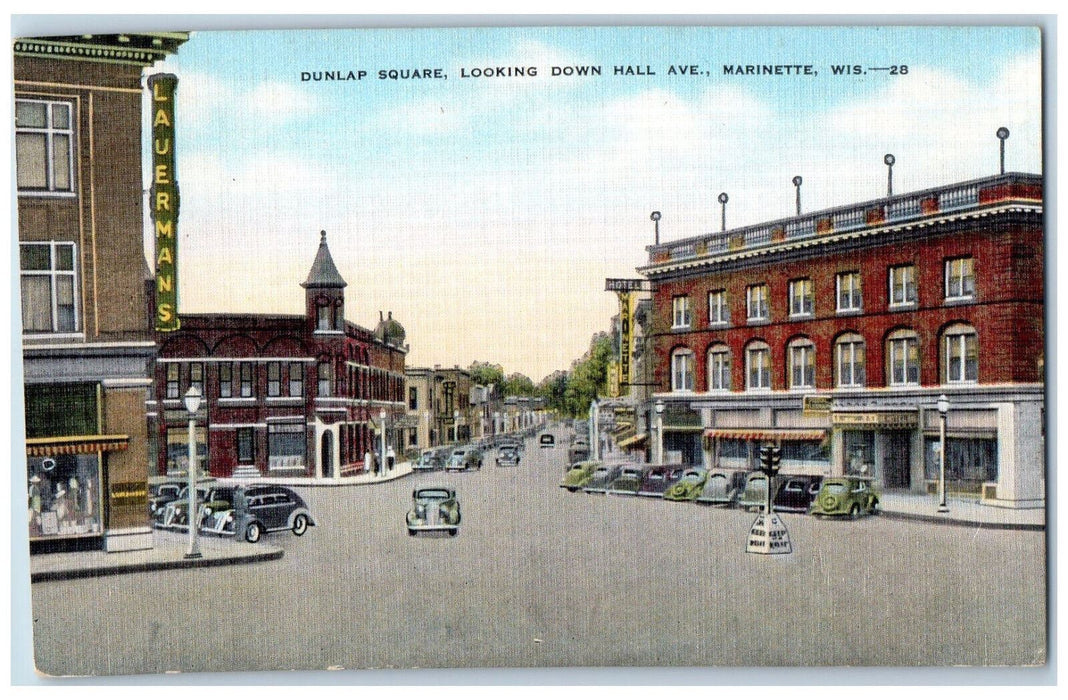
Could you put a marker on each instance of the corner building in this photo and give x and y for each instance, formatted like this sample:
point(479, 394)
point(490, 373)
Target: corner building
point(834, 334)
point(87, 338)
point(285, 395)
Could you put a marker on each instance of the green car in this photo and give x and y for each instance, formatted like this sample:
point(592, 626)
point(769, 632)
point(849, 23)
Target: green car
point(845, 495)
point(434, 509)
point(579, 475)
point(755, 492)
point(689, 487)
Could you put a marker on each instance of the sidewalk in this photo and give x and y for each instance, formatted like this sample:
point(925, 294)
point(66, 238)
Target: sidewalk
point(965, 512)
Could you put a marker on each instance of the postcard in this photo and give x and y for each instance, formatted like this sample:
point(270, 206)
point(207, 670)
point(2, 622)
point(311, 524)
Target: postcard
point(532, 347)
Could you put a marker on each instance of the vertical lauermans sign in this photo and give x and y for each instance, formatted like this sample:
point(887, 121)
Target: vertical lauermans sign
point(164, 200)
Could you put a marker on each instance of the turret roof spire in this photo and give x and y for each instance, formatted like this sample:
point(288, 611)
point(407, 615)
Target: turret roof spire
point(324, 274)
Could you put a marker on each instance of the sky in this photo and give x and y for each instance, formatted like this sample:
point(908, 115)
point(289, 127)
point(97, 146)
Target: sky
point(486, 212)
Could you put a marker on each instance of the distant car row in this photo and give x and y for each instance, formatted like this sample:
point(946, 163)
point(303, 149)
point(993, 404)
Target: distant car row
point(846, 495)
point(248, 511)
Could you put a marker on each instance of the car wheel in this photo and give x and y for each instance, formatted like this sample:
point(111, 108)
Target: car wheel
point(300, 525)
point(572, 489)
point(253, 532)
point(453, 532)
point(854, 512)
point(411, 533)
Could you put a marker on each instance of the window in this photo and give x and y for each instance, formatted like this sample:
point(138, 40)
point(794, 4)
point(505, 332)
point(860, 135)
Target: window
point(274, 379)
point(849, 361)
point(960, 279)
point(326, 378)
point(802, 364)
point(226, 380)
point(756, 302)
point(758, 366)
point(44, 152)
point(48, 283)
point(961, 352)
point(718, 313)
point(903, 285)
point(246, 378)
point(801, 297)
point(286, 443)
point(719, 368)
point(682, 370)
point(296, 379)
point(680, 312)
point(413, 398)
point(324, 318)
point(903, 358)
point(196, 377)
point(245, 445)
point(172, 381)
point(847, 292)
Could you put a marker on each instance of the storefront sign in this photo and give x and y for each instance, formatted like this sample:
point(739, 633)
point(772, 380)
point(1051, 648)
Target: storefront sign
point(626, 320)
point(128, 493)
point(623, 285)
point(815, 405)
point(885, 421)
point(164, 200)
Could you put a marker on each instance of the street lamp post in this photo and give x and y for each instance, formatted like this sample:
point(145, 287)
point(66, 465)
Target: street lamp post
point(192, 403)
point(943, 409)
point(659, 406)
point(382, 461)
point(429, 437)
point(456, 426)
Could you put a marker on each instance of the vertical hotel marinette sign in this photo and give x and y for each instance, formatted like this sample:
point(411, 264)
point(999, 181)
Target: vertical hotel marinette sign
point(623, 289)
point(164, 199)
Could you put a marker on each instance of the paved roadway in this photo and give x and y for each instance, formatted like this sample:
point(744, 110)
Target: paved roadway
point(542, 577)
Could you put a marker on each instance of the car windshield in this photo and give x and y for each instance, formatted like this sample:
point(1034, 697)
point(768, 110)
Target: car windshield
point(432, 494)
point(835, 488)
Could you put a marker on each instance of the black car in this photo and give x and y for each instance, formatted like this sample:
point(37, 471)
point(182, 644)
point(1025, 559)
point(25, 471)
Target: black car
point(507, 457)
point(797, 493)
point(257, 509)
point(162, 494)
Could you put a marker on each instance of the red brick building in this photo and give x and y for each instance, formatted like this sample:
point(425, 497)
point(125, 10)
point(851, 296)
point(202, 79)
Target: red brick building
point(286, 396)
point(834, 333)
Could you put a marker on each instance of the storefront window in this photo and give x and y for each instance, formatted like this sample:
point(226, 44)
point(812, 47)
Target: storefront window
point(859, 449)
point(178, 449)
point(969, 462)
point(286, 445)
point(806, 453)
point(64, 496)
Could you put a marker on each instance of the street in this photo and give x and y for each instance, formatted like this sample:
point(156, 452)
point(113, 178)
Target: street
point(541, 577)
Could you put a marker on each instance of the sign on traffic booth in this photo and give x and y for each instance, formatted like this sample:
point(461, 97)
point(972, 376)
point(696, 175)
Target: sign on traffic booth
point(768, 535)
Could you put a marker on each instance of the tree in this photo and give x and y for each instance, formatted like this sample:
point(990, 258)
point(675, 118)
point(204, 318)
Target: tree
point(486, 373)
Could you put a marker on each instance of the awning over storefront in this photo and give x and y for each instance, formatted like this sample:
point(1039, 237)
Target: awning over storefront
point(632, 441)
point(76, 444)
point(769, 435)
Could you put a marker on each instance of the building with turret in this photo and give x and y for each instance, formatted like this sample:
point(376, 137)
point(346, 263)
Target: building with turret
point(287, 396)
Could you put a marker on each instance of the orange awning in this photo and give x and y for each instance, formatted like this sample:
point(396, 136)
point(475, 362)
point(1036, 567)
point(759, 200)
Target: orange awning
point(765, 434)
point(76, 444)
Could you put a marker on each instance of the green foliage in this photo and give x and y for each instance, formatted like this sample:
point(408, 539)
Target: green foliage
point(570, 393)
point(486, 373)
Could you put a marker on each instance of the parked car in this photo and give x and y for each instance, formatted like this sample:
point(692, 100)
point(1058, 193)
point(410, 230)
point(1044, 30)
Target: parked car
point(796, 493)
point(434, 509)
point(513, 443)
point(162, 494)
point(845, 495)
point(578, 452)
point(755, 492)
point(174, 516)
point(657, 480)
point(547, 440)
point(258, 509)
point(602, 477)
point(579, 475)
point(508, 457)
point(628, 482)
point(464, 458)
point(723, 487)
point(689, 485)
point(430, 460)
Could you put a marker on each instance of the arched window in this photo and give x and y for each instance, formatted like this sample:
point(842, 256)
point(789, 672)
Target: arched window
point(849, 361)
point(903, 358)
point(757, 366)
point(719, 368)
point(960, 352)
point(802, 358)
point(682, 370)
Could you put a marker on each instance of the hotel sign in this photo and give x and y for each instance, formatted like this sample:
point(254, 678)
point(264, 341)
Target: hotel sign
point(626, 337)
point(163, 203)
point(883, 421)
point(623, 285)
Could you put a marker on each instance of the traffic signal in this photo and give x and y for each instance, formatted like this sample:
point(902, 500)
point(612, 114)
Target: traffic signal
point(770, 455)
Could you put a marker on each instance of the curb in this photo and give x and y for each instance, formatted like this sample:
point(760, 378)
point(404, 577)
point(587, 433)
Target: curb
point(897, 515)
point(140, 567)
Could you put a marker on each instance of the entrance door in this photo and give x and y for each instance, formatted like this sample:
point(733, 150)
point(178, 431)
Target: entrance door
point(896, 466)
point(327, 461)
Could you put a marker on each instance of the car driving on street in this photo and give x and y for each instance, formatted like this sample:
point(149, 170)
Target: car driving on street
point(434, 509)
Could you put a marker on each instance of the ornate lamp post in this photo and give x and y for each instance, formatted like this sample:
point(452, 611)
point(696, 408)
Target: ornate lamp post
point(723, 198)
point(889, 160)
point(655, 218)
point(1002, 134)
point(192, 404)
point(659, 407)
point(943, 409)
point(382, 461)
point(797, 186)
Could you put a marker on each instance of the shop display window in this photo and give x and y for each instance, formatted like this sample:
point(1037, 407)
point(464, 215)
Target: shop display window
point(64, 498)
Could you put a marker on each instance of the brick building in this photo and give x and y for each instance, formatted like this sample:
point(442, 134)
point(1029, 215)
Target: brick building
point(286, 395)
point(87, 338)
point(834, 333)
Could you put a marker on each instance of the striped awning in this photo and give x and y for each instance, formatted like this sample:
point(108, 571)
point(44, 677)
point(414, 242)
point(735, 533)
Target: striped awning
point(764, 434)
point(75, 444)
point(631, 441)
